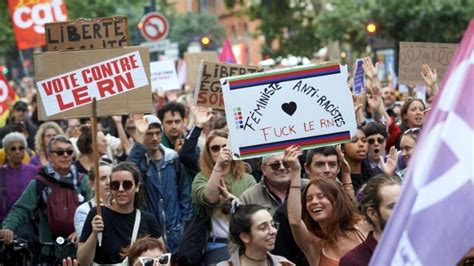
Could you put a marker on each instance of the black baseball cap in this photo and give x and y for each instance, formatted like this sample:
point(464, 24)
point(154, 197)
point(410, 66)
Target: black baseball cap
point(20, 106)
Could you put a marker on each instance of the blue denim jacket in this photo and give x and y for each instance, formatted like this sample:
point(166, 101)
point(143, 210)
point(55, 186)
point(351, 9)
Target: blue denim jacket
point(167, 197)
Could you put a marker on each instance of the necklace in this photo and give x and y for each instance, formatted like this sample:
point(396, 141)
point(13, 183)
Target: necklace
point(252, 259)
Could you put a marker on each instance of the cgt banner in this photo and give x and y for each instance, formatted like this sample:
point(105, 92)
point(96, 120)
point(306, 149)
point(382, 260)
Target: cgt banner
point(29, 17)
point(308, 106)
point(117, 78)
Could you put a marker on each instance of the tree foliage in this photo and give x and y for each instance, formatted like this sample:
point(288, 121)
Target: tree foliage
point(189, 27)
point(303, 26)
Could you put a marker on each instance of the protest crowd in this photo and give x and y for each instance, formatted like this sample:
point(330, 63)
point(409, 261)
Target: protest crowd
point(172, 191)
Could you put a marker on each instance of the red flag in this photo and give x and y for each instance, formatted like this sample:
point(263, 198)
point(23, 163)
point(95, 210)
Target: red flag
point(28, 19)
point(227, 56)
point(6, 93)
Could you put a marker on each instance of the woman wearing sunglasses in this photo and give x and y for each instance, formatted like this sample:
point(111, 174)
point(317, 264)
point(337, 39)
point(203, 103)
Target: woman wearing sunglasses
point(253, 229)
point(219, 175)
point(121, 222)
point(323, 218)
point(147, 251)
point(14, 174)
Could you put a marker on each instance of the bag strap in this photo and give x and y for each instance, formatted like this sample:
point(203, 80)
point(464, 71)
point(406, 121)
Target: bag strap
point(136, 226)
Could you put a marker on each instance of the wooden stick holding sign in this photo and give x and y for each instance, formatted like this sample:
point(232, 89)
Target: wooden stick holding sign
point(95, 157)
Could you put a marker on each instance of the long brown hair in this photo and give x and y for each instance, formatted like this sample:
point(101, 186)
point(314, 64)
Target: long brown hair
point(343, 217)
point(237, 168)
point(403, 111)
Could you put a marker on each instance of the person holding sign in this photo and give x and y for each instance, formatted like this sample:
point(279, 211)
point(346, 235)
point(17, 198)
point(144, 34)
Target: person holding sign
point(219, 176)
point(121, 222)
point(323, 219)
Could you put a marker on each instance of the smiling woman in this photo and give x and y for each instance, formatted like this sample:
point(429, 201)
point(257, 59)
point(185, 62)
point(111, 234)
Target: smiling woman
point(254, 230)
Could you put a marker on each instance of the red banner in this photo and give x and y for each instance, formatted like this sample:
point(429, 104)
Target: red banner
point(6, 93)
point(29, 16)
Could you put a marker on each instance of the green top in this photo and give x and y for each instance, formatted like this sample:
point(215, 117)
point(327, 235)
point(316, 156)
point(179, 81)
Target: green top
point(235, 186)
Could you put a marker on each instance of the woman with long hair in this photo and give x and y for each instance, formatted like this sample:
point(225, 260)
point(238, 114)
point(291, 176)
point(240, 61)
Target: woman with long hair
point(253, 229)
point(407, 146)
point(45, 133)
point(323, 218)
point(121, 221)
point(219, 175)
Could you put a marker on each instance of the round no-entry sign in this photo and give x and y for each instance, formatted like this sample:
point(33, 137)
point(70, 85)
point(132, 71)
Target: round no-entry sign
point(154, 27)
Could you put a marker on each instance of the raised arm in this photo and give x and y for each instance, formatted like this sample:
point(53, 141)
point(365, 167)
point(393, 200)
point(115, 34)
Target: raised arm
point(221, 167)
point(299, 230)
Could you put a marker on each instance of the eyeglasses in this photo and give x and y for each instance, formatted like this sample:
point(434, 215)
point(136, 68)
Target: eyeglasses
point(379, 140)
point(217, 148)
point(62, 152)
point(161, 260)
point(126, 185)
point(19, 148)
point(266, 226)
point(276, 166)
point(413, 130)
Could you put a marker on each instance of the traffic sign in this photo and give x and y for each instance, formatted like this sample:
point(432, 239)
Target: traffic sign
point(154, 27)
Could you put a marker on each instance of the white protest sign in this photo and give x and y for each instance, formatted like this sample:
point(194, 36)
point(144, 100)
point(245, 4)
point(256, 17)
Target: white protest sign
point(163, 76)
point(308, 106)
point(101, 80)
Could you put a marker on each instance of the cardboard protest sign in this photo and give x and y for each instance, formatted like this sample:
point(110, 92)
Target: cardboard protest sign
point(309, 106)
point(87, 34)
point(28, 19)
point(192, 64)
point(117, 78)
point(414, 54)
point(163, 76)
point(358, 80)
point(208, 90)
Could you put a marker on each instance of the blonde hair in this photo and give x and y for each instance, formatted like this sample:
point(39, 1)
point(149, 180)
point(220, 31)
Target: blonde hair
point(39, 144)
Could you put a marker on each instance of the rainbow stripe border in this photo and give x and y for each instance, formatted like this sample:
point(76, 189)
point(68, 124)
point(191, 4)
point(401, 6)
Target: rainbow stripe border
point(291, 74)
point(306, 143)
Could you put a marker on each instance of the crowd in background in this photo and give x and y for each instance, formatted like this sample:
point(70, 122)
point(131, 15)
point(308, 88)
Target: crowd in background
point(170, 191)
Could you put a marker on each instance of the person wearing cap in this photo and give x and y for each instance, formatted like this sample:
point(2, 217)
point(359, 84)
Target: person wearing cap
point(167, 189)
point(19, 114)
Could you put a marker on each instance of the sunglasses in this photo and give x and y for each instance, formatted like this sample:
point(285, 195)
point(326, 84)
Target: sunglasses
point(20, 148)
point(372, 141)
point(413, 130)
point(161, 260)
point(126, 185)
point(62, 152)
point(217, 148)
point(276, 166)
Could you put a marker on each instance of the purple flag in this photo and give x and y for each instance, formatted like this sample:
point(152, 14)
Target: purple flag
point(433, 222)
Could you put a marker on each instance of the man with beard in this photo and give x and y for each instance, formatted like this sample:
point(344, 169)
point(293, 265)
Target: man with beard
point(379, 196)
